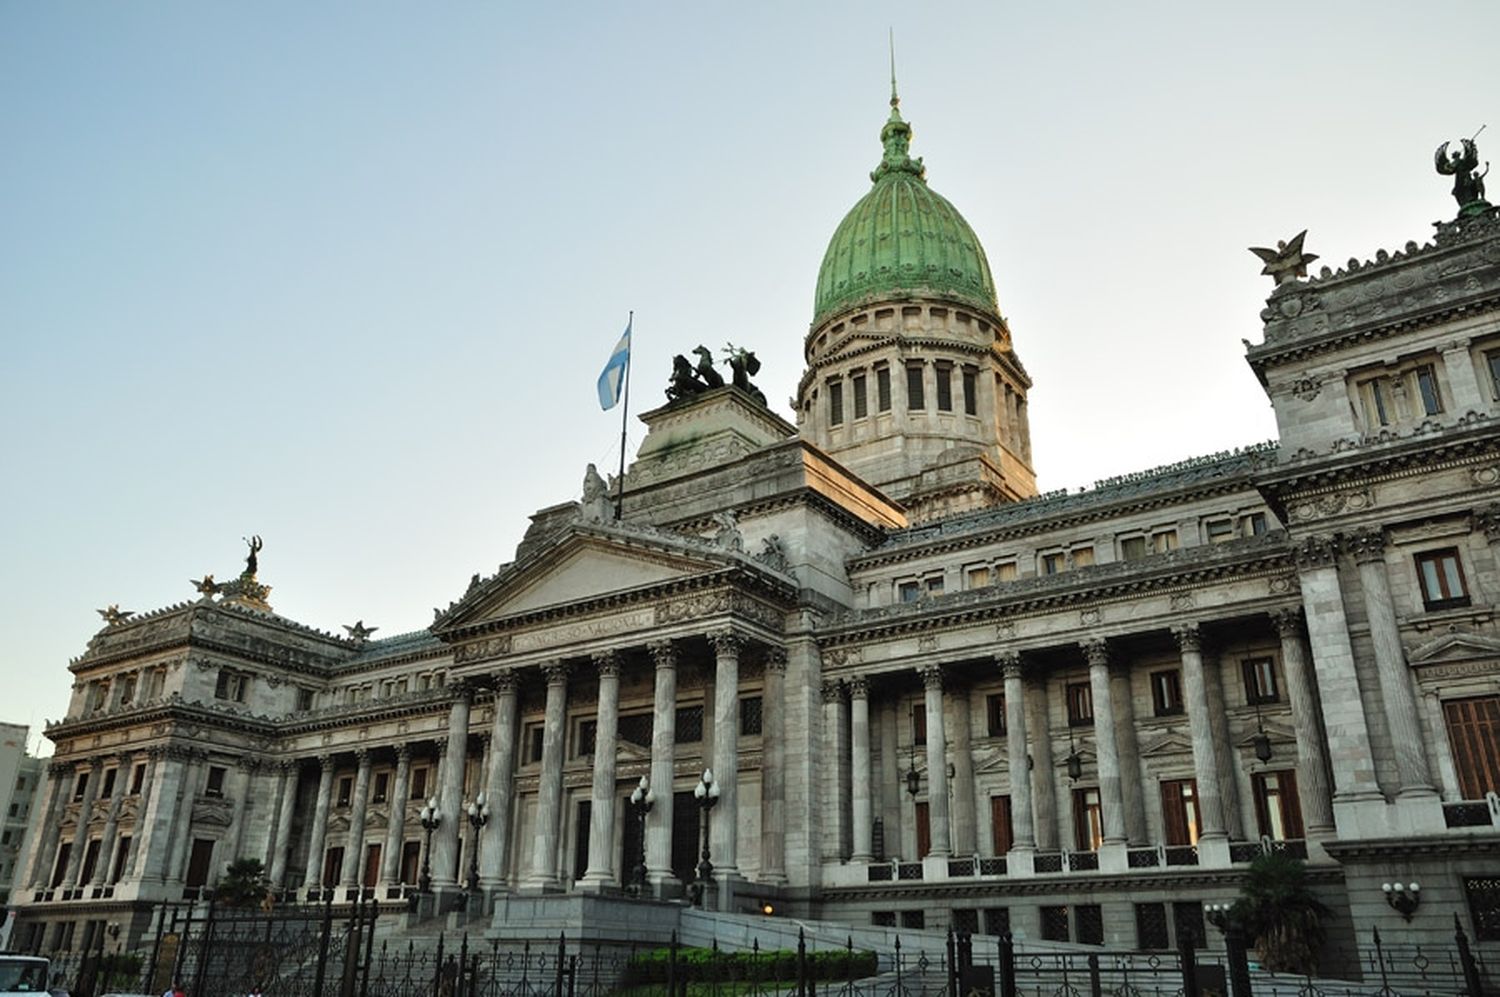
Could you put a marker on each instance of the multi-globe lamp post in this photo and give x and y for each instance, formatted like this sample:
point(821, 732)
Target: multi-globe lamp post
point(642, 799)
point(707, 794)
point(479, 815)
point(430, 818)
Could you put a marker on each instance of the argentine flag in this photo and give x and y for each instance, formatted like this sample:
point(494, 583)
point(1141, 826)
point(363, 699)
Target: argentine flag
point(613, 377)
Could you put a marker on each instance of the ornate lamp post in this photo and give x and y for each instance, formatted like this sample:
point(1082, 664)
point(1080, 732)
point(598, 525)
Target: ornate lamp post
point(641, 802)
point(1236, 948)
point(430, 818)
point(707, 794)
point(479, 815)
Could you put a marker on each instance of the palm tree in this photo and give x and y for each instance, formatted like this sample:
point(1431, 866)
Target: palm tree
point(244, 884)
point(1282, 914)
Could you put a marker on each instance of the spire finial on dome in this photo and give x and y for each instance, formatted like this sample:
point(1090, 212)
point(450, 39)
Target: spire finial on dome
point(896, 135)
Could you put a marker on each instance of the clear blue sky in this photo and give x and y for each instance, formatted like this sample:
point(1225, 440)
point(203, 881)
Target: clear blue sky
point(343, 274)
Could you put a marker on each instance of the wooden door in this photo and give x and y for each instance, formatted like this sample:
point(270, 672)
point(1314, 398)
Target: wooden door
point(200, 861)
point(1179, 811)
point(924, 831)
point(1002, 834)
point(372, 865)
point(333, 866)
point(684, 836)
point(1474, 732)
point(411, 860)
point(581, 838)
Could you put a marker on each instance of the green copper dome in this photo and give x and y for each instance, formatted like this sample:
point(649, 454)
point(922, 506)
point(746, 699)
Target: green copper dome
point(902, 238)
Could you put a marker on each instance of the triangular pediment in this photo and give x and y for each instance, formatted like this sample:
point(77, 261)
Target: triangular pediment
point(1454, 646)
point(584, 564)
point(1171, 743)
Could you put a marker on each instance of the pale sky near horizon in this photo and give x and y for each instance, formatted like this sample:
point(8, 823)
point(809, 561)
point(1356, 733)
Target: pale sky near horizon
point(343, 274)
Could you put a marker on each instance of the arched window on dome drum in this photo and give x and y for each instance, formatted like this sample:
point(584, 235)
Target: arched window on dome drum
point(883, 389)
point(944, 386)
point(971, 391)
point(861, 402)
point(916, 400)
point(835, 403)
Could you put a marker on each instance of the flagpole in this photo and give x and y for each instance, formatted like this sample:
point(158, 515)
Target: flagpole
point(624, 415)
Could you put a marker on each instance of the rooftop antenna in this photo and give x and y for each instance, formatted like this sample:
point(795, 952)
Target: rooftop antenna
point(895, 100)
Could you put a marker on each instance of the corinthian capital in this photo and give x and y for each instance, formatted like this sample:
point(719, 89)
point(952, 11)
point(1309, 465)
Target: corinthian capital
point(833, 691)
point(505, 683)
point(776, 660)
point(1096, 651)
point(859, 687)
point(726, 643)
point(1314, 552)
point(556, 672)
point(1367, 546)
point(1188, 637)
point(1288, 622)
point(932, 676)
point(663, 652)
point(608, 663)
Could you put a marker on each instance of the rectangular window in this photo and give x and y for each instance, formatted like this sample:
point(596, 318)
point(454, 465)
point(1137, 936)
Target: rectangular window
point(1007, 572)
point(636, 728)
point(1442, 578)
point(1001, 831)
point(1089, 921)
point(1474, 733)
point(1055, 924)
point(979, 577)
point(382, 787)
point(883, 388)
point(689, 724)
point(1427, 388)
point(964, 919)
point(835, 403)
point(583, 741)
point(411, 860)
point(418, 783)
point(916, 400)
point(1278, 812)
point(1260, 680)
point(1053, 564)
point(107, 789)
point(919, 724)
point(346, 790)
point(1088, 819)
point(1492, 362)
point(908, 592)
point(750, 716)
point(122, 852)
point(127, 690)
point(1166, 692)
point(200, 862)
point(861, 403)
point(971, 391)
point(883, 918)
point(137, 778)
point(996, 920)
point(944, 387)
point(934, 584)
point(1187, 918)
point(914, 919)
point(1181, 822)
point(1132, 548)
point(1377, 410)
point(1219, 530)
point(536, 741)
point(1254, 525)
point(994, 710)
point(1080, 697)
point(1082, 556)
point(1483, 894)
point(230, 686)
point(924, 829)
point(1163, 541)
point(80, 785)
point(215, 786)
point(1151, 927)
point(304, 700)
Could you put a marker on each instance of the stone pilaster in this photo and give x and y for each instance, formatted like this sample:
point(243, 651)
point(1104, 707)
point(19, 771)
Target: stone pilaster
point(601, 871)
point(494, 861)
point(549, 787)
point(249, 767)
point(1106, 745)
point(861, 783)
point(445, 853)
point(837, 804)
point(663, 767)
point(1205, 756)
point(112, 823)
point(312, 876)
point(1402, 718)
point(939, 828)
point(1023, 829)
point(182, 825)
point(281, 841)
point(772, 770)
point(48, 825)
point(150, 792)
point(726, 830)
point(354, 845)
point(1044, 770)
point(81, 833)
point(1350, 755)
point(1131, 791)
point(1312, 757)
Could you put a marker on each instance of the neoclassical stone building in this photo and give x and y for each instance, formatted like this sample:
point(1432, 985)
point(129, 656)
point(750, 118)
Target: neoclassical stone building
point(928, 694)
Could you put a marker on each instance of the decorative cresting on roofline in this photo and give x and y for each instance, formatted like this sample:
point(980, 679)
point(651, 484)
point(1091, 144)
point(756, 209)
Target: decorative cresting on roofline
point(1377, 460)
point(1250, 557)
point(1458, 273)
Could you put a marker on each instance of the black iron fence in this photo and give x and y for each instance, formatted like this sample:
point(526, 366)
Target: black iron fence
point(310, 951)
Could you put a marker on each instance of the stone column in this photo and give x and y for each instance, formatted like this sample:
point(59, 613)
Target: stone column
point(663, 766)
point(549, 787)
point(1022, 829)
point(1043, 771)
point(182, 823)
point(1468, 396)
point(836, 801)
point(772, 770)
point(601, 867)
point(250, 766)
point(1353, 763)
point(1131, 792)
point(48, 825)
point(81, 833)
point(161, 823)
point(451, 795)
point(1106, 746)
point(312, 876)
point(1205, 756)
point(494, 861)
point(890, 781)
point(1396, 690)
point(1312, 756)
point(965, 817)
point(1224, 754)
point(937, 763)
point(281, 841)
point(861, 783)
point(395, 827)
point(726, 819)
point(111, 823)
point(150, 792)
point(354, 844)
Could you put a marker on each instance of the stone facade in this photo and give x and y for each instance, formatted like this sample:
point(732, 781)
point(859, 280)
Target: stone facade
point(1076, 714)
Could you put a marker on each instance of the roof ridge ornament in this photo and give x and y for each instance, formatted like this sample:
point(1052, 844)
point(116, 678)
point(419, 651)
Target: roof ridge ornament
point(895, 136)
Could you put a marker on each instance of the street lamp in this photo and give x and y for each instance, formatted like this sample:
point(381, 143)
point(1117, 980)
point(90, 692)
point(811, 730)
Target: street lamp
point(707, 794)
point(641, 802)
point(430, 818)
point(1403, 897)
point(479, 815)
point(1236, 947)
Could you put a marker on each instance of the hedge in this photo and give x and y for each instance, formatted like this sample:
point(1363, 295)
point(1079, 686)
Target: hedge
point(697, 964)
